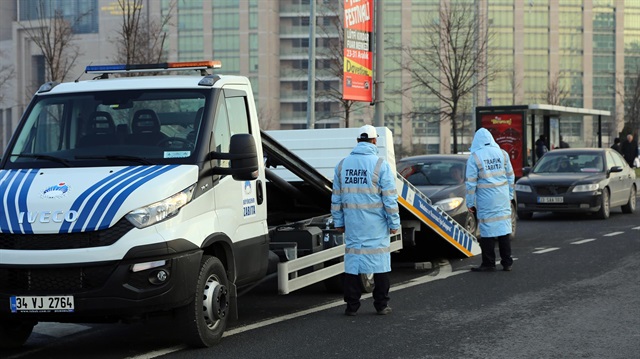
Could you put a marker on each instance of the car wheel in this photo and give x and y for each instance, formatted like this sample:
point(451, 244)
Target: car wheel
point(630, 207)
point(605, 205)
point(471, 225)
point(513, 222)
point(204, 320)
point(367, 283)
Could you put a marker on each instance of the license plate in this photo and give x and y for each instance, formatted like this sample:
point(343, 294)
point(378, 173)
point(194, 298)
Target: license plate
point(550, 199)
point(58, 303)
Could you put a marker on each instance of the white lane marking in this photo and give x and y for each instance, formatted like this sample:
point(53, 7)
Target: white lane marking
point(445, 272)
point(584, 241)
point(158, 353)
point(546, 250)
point(613, 234)
point(636, 228)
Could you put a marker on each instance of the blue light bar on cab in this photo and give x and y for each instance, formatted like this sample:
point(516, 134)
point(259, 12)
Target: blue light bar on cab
point(191, 65)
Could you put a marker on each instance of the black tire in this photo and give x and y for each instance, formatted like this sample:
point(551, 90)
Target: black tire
point(204, 320)
point(605, 207)
point(14, 333)
point(630, 207)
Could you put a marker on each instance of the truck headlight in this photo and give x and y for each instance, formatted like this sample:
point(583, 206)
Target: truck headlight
point(586, 187)
point(449, 204)
point(161, 210)
point(523, 188)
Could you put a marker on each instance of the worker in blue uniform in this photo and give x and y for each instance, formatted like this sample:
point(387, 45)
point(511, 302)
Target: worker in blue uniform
point(364, 206)
point(490, 190)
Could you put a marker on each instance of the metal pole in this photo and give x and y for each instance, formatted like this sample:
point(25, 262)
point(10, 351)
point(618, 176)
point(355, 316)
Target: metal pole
point(311, 83)
point(379, 95)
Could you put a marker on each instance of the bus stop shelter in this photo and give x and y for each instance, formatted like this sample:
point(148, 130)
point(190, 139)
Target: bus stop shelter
point(514, 127)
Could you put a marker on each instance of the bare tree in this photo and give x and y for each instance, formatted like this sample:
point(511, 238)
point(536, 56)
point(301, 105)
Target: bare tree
point(557, 92)
point(333, 54)
point(140, 39)
point(6, 73)
point(53, 34)
point(631, 101)
point(449, 59)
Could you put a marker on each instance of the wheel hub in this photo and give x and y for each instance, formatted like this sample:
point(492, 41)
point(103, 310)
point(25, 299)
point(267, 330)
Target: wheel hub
point(215, 301)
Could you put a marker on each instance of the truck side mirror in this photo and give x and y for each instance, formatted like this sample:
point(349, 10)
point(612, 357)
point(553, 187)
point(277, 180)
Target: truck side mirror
point(244, 159)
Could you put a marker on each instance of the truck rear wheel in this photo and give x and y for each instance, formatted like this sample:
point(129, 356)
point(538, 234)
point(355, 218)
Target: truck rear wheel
point(205, 319)
point(14, 333)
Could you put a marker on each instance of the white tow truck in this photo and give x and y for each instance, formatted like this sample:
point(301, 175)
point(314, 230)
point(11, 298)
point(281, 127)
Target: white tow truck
point(126, 198)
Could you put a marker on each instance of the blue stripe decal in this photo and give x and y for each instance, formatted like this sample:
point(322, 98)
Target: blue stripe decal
point(93, 201)
point(22, 200)
point(405, 190)
point(141, 179)
point(66, 226)
point(4, 184)
point(107, 193)
point(12, 209)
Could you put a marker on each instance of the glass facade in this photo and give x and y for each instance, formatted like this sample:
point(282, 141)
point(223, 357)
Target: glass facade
point(81, 14)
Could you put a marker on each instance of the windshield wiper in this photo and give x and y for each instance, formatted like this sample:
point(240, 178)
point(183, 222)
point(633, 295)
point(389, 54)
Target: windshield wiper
point(40, 156)
point(144, 161)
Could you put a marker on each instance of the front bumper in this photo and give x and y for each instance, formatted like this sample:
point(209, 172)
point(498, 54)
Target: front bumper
point(580, 202)
point(107, 291)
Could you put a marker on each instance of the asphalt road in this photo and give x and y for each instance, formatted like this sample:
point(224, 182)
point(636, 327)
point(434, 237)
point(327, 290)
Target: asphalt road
point(573, 293)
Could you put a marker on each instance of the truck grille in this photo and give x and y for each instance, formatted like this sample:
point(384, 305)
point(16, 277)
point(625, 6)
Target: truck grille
point(75, 240)
point(54, 280)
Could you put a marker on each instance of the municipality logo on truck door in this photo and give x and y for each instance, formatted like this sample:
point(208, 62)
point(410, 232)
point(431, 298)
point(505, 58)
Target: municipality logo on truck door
point(248, 200)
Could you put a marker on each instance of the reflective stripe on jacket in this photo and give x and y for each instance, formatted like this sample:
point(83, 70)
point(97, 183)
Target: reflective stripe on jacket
point(364, 201)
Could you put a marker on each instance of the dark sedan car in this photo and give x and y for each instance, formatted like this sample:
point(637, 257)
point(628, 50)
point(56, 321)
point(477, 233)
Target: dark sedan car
point(587, 180)
point(441, 178)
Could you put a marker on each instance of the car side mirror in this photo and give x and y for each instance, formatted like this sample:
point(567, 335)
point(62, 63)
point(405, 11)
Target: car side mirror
point(245, 165)
point(243, 157)
point(615, 169)
point(525, 171)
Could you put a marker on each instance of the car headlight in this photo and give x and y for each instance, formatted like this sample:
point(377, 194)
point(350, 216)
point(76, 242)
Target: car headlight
point(161, 210)
point(523, 188)
point(449, 204)
point(586, 187)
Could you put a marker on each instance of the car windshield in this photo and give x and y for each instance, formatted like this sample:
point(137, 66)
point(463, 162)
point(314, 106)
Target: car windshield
point(569, 163)
point(130, 126)
point(433, 172)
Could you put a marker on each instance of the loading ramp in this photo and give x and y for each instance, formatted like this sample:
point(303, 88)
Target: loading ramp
point(310, 156)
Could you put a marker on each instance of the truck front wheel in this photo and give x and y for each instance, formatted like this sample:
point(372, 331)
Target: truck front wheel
point(205, 319)
point(14, 333)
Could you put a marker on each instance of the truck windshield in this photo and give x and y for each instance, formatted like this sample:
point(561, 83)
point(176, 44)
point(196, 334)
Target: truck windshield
point(98, 129)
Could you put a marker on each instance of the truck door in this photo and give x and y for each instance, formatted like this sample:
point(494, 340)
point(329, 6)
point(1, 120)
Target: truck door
point(239, 204)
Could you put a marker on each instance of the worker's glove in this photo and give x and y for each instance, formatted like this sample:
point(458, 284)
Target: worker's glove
point(472, 210)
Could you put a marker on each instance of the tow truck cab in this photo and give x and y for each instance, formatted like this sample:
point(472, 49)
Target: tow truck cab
point(129, 197)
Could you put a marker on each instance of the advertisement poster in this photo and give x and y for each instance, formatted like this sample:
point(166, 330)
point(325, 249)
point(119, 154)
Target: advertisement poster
point(507, 129)
point(357, 84)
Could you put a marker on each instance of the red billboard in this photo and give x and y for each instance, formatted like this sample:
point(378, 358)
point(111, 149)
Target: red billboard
point(508, 131)
point(357, 79)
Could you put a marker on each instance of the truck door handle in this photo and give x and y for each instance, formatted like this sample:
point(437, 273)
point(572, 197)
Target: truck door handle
point(259, 192)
